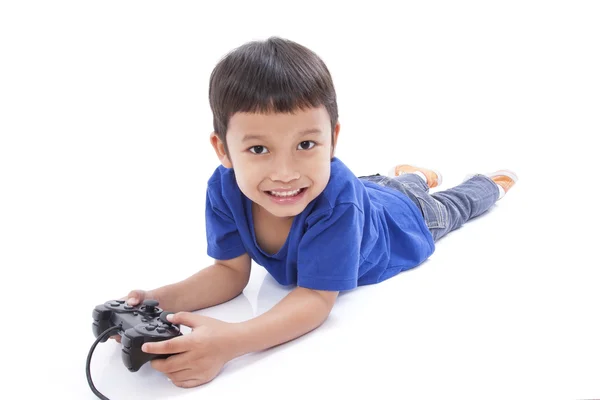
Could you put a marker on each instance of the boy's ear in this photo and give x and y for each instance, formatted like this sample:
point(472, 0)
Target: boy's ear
point(336, 132)
point(219, 147)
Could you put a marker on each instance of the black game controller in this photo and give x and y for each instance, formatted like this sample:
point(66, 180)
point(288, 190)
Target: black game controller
point(137, 325)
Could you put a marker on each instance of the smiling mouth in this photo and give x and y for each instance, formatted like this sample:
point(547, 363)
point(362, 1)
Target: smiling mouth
point(288, 193)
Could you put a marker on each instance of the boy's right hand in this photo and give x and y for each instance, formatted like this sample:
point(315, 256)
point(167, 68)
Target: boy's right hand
point(134, 298)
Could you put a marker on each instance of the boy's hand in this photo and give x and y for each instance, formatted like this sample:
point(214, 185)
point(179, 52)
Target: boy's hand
point(201, 353)
point(134, 297)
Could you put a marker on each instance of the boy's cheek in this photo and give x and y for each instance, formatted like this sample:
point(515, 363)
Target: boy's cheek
point(247, 185)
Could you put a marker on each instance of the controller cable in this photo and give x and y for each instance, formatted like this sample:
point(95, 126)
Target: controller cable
point(104, 334)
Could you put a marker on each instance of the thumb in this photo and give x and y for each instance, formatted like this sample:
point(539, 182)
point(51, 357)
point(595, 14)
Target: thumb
point(186, 318)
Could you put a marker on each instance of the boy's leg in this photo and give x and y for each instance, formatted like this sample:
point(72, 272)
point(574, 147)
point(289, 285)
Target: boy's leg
point(474, 196)
point(416, 187)
point(448, 210)
point(466, 201)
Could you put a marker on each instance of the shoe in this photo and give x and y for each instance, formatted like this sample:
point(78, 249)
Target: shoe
point(504, 178)
point(434, 178)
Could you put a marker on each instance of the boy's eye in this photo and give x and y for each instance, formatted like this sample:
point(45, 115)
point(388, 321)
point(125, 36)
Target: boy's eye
point(307, 144)
point(258, 149)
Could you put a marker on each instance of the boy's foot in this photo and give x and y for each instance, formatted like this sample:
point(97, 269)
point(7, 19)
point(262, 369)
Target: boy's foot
point(432, 177)
point(505, 180)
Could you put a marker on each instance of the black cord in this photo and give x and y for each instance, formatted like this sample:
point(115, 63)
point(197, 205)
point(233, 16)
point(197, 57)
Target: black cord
point(89, 358)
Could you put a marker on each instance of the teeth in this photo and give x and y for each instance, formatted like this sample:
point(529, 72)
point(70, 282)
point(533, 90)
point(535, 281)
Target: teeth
point(286, 194)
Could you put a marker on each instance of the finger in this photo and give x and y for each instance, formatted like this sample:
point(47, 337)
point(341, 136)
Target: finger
point(184, 375)
point(174, 363)
point(161, 365)
point(186, 318)
point(117, 338)
point(133, 301)
point(197, 372)
point(134, 297)
point(178, 344)
point(189, 383)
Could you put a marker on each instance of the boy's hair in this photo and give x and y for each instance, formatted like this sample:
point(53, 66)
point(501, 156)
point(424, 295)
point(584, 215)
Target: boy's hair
point(275, 75)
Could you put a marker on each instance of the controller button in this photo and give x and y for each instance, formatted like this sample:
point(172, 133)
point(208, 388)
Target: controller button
point(150, 327)
point(115, 304)
point(128, 307)
point(120, 301)
point(135, 313)
point(161, 329)
point(144, 320)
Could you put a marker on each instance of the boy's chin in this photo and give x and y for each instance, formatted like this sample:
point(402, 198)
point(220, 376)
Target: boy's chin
point(282, 211)
point(279, 213)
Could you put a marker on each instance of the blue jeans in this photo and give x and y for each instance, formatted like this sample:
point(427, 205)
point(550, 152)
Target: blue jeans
point(445, 210)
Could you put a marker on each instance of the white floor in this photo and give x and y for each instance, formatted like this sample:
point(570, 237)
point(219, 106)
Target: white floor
point(104, 157)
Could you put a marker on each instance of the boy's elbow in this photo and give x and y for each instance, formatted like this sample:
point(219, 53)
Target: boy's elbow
point(329, 298)
point(240, 266)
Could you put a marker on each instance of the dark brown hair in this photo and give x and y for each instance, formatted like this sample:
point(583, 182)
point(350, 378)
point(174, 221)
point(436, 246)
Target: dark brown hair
point(274, 75)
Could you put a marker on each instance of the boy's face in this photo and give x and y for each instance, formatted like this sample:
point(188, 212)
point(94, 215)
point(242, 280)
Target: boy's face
point(281, 161)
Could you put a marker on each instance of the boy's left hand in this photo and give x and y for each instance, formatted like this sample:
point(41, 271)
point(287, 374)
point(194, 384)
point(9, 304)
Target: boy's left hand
point(202, 353)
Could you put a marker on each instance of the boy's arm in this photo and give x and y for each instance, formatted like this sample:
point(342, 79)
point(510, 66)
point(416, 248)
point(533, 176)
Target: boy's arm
point(216, 284)
point(198, 357)
point(298, 313)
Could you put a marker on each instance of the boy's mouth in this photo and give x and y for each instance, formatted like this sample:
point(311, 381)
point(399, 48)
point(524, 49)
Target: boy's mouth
point(285, 193)
point(286, 197)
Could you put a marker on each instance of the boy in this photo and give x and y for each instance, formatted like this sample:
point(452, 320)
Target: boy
point(282, 199)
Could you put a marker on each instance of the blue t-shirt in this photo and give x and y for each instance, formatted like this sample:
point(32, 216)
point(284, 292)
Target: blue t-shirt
point(354, 233)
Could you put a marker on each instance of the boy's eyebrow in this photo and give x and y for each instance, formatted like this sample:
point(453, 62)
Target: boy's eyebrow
point(251, 136)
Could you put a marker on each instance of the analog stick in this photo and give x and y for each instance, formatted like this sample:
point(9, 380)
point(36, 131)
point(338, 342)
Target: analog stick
point(150, 305)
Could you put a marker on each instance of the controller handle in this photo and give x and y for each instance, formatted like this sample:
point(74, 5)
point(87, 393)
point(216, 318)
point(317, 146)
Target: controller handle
point(132, 340)
point(101, 316)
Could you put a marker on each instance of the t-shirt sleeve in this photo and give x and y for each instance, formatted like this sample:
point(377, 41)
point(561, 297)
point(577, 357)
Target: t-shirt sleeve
point(329, 252)
point(224, 240)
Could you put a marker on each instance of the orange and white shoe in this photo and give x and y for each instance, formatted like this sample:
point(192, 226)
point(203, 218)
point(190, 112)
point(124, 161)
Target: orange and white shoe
point(504, 178)
point(433, 177)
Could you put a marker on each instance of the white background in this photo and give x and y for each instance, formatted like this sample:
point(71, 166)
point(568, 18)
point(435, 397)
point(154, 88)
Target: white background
point(104, 158)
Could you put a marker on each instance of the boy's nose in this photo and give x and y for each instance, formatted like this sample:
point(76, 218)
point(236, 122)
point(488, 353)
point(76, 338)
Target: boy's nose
point(284, 170)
